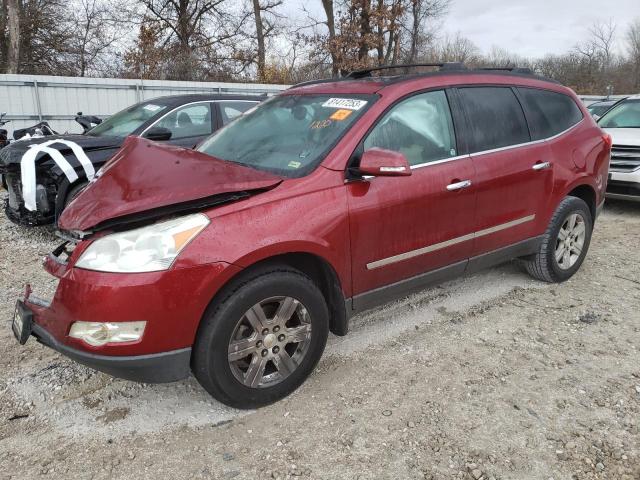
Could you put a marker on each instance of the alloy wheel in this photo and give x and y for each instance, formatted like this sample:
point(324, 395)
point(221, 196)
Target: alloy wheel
point(570, 241)
point(269, 342)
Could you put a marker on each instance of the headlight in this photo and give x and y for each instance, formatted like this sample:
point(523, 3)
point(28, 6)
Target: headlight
point(147, 249)
point(98, 334)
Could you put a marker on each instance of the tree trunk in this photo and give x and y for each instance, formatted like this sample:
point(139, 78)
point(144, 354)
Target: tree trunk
point(365, 30)
point(331, 26)
point(260, 38)
point(415, 31)
point(13, 50)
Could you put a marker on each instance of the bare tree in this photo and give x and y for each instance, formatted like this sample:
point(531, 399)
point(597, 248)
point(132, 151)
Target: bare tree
point(603, 37)
point(13, 23)
point(95, 31)
point(456, 48)
point(198, 33)
point(633, 49)
point(421, 12)
point(264, 17)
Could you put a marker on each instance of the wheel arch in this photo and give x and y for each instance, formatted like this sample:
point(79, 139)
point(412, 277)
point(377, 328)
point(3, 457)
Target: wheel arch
point(586, 193)
point(317, 268)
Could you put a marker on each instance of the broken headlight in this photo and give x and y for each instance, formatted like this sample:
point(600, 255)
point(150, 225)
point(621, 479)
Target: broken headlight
point(146, 249)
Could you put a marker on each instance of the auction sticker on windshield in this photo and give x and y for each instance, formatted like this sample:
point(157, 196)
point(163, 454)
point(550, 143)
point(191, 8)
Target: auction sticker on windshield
point(151, 107)
point(350, 103)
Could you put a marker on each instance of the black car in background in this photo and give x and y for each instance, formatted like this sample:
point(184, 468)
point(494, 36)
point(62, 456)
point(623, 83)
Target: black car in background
point(44, 174)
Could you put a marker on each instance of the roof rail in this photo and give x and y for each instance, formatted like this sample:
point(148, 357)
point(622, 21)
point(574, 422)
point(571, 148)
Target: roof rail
point(522, 70)
point(366, 72)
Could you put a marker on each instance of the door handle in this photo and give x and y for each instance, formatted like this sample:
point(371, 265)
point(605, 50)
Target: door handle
point(459, 185)
point(541, 166)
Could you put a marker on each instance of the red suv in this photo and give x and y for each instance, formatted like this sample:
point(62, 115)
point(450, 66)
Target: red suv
point(234, 261)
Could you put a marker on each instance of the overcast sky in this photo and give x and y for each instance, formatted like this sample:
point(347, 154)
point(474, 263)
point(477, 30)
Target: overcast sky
point(530, 28)
point(535, 28)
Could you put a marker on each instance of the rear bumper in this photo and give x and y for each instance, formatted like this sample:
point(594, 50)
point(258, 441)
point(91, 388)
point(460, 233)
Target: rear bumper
point(154, 368)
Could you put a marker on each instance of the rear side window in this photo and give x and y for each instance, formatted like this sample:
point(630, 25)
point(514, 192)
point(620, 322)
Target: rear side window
point(495, 117)
point(549, 112)
point(230, 109)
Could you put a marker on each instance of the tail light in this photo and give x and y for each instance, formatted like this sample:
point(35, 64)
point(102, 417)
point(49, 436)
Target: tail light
point(608, 140)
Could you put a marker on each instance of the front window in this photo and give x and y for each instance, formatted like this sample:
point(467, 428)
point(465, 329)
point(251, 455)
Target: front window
point(420, 128)
point(288, 135)
point(624, 115)
point(127, 121)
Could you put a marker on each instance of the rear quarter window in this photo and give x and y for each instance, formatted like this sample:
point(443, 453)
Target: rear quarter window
point(495, 117)
point(549, 113)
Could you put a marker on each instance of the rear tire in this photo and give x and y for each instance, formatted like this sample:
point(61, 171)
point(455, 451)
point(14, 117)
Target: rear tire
point(262, 340)
point(564, 244)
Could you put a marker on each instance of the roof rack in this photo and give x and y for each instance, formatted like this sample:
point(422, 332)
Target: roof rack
point(522, 70)
point(366, 72)
point(443, 68)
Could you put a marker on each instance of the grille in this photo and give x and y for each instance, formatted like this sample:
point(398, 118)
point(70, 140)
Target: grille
point(624, 158)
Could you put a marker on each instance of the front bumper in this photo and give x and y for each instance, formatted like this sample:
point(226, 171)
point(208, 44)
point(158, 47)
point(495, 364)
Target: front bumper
point(172, 303)
point(624, 185)
point(154, 368)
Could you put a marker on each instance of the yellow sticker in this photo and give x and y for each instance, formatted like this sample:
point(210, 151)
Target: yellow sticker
point(340, 114)
point(294, 164)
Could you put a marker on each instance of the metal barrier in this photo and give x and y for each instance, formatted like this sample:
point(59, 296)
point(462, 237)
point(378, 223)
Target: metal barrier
point(29, 99)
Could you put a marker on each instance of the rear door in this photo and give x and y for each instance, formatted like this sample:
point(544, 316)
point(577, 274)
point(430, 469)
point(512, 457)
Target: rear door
point(514, 176)
point(402, 227)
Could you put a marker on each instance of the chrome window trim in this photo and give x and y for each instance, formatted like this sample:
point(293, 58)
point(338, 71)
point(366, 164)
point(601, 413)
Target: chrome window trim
point(532, 142)
point(173, 110)
point(447, 243)
point(486, 152)
point(438, 162)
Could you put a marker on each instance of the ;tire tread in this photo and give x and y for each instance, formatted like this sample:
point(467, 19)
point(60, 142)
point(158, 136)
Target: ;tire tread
point(212, 320)
point(540, 265)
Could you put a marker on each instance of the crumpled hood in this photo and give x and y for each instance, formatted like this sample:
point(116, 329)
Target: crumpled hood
point(13, 152)
point(629, 137)
point(145, 176)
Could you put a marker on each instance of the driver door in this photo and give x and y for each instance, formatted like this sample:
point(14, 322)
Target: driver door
point(404, 227)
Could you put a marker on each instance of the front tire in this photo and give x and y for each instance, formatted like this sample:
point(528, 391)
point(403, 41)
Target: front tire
point(260, 343)
point(565, 243)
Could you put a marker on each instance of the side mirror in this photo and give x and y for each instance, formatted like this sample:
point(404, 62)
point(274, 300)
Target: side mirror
point(384, 163)
point(158, 134)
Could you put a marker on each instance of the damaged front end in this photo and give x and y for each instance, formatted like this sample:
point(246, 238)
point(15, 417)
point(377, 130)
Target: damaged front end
point(46, 193)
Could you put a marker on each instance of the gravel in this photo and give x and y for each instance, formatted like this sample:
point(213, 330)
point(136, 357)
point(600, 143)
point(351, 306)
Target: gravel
point(492, 376)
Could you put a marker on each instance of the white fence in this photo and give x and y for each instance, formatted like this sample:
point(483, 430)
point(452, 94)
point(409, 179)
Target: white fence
point(29, 99)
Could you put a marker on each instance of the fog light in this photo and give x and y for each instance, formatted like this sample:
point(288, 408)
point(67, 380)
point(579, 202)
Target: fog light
point(98, 333)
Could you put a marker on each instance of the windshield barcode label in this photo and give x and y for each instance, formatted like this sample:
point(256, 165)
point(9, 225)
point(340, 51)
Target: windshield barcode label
point(350, 103)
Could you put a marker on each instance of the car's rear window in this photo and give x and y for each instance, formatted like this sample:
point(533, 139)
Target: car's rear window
point(495, 117)
point(549, 112)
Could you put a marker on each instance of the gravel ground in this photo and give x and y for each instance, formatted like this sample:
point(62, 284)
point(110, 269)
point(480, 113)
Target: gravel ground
point(490, 376)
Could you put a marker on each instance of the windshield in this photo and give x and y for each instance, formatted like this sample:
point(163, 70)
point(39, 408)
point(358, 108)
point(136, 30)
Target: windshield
point(624, 115)
point(127, 121)
point(288, 135)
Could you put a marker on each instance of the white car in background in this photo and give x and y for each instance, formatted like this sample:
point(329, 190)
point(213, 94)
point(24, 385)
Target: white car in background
point(622, 122)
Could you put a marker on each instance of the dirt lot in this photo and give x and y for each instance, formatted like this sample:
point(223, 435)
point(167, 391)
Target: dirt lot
point(490, 376)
